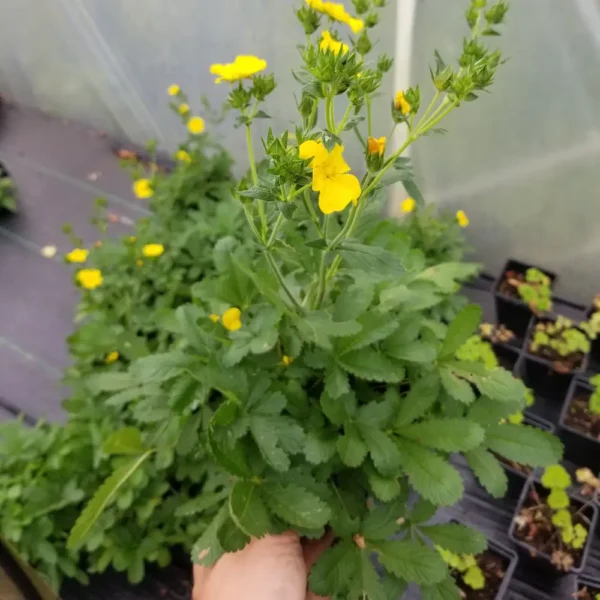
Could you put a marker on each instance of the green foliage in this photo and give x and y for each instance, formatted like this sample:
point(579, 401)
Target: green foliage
point(559, 337)
point(466, 566)
point(595, 397)
point(536, 290)
point(477, 350)
point(8, 199)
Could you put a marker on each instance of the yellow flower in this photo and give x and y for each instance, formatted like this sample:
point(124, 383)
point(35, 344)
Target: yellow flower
point(153, 250)
point(328, 43)
point(408, 205)
point(111, 357)
point(78, 255)
point(142, 188)
point(232, 319)
point(139, 262)
point(336, 188)
point(214, 318)
point(89, 279)
point(462, 218)
point(173, 90)
point(401, 104)
point(183, 156)
point(376, 145)
point(242, 67)
point(183, 109)
point(286, 360)
point(355, 24)
point(196, 125)
point(337, 12)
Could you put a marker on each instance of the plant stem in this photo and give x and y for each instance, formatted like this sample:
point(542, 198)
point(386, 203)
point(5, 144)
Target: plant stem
point(328, 114)
point(311, 211)
point(282, 282)
point(276, 227)
point(369, 119)
point(250, 220)
point(261, 204)
point(304, 188)
point(430, 107)
point(322, 285)
point(361, 139)
point(342, 124)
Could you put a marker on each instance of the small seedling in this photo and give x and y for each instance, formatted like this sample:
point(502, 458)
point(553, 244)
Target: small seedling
point(595, 397)
point(477, 350)
point(560, 338)
point(466, 565)
point(496, 333)
point(535, 290)
point(518, 417)
point(592, 326)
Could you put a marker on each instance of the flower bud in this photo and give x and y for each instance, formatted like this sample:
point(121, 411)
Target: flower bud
point(361, 6)
point(363, 44)
point(371, 20)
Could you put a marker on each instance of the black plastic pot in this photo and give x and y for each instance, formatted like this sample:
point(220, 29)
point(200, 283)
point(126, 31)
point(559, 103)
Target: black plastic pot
point(516, 478)
point(507, 355)
point(582, 449)
point(541, 560)
point(513, 313)
point(583, 581)
point(539, 374)
point(594, 363)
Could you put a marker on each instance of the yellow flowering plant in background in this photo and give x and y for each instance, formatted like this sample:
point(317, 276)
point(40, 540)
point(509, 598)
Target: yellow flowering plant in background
point(314, 371)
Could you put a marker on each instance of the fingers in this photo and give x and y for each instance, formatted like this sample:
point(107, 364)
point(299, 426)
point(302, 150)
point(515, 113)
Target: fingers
point(312, 549)
point(201, 575)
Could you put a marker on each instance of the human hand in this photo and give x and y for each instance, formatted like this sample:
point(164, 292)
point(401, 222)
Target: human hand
point(275, 567)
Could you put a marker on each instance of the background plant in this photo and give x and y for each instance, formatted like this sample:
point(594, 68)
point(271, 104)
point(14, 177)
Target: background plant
point(466, 566)
point(8, 199)
point(594, 401)
point(536, 290)
point(560, 337)
point(309, 367)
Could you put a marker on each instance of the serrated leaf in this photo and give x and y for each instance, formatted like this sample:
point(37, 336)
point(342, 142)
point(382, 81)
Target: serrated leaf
point(488, 412)
point(449, 435)
point(125, 441)
point(455, 537)
point(109, 382)
point(271, 434)
point(444, 590)
point(373, 259)
point(384, 488)
point(295, 505)
point(431, 475)
point(419, 400)
point(248, 510)
point(460, 330)
point(371, 365)
point(367, 582)
point(419, 351)
point(318, 449)
point(375, 327)
point(384, 453)
point(101, 498)
point(207, 549)
point(457, 388)
point(412, 561)
point(488, 470)
point(231, 537)
point(187, 317)
point(422, 511)
point(382, 522)
point(200, 503)
point(338, 410)
point(412, 189)
point(446, 276)
point(351, 447)
point(376, 414)
point(334, 569)
point(524, 444)
point(499, 384)
point(336, 381)
point(353, 301)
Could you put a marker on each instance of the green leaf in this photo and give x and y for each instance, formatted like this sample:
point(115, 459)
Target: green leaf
point(382, 522)
point(125, 441)
point(207, 549)
point(457, 388)
point(446, 275)
point(460, 330)
point(524, 444)
point(419, 400)
point(449, 435)
point(412, 561)
point(377, 414)
point(383, 451)
point(432, 476)
point(101, 498)
point(416, 352)
point(422, 511)
point(384, 488)
point(456, 538)
point(488, 412)
point(353, 301)
point(318, 449)
point(336, 381)
point(109, 382)
point(334, 569)
point(444, 590)
point(248, 510)
point(200, 503)
point(375, 327)
point(295, 505)
point(373, 259)
point(413, 191)
point(371, 365)
point(488, 470)
point(338, 410)
point(351, 447)
point(187, 316)
point(367, 582)
point(231, 537)
point(499, 384)
point(270, 434)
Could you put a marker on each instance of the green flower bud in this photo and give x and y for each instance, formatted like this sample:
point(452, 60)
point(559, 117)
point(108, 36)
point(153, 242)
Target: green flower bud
point(309, 19)
point(262, 86)
point(379, 3)
point(384, 63)
point(371, 20)
point(495, 15)
point(363, 45)
point(361, 6)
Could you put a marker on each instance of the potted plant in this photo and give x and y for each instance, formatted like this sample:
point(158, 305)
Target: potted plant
point(8, 202)
point(593, 316)
point(483, 576)
point(493, 347)
point(555, 351)
point(579, 423)
point(551, 526)
point(520, 290)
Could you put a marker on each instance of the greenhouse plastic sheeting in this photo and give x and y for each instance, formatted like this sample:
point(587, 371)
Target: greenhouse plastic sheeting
point(523, 162)
point(109, 62)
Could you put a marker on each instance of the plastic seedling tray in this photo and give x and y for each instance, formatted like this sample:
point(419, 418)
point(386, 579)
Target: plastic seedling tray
point(511, 312)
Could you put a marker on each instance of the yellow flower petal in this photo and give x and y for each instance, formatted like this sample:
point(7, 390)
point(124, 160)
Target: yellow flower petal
point(153, 250)
point(315, 150)
point(183, 156)
point(376, 145)
point(183, 109)
point(89, 279)
point(214, 318)
point(408, 205)
point(195, 125)
point(111, 357)
point(242, 67)
point(142, 188)
point(173, 90)
point(462, 218)
point(332, 45)
point(336, 193)
point(78, 255)
point(401, 104)
point(357, 25)
point(286, 360)
point(232, 319)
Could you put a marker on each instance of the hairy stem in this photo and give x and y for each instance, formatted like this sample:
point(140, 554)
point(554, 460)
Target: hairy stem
point(261, 203)
point(282, 282)
point(311, 211)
